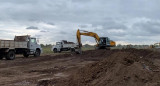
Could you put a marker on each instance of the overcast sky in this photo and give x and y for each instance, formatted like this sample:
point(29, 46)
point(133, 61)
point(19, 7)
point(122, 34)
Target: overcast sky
point(124, 21)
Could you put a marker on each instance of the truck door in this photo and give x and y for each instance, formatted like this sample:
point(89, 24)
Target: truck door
point(59, 46)
point(32, 44)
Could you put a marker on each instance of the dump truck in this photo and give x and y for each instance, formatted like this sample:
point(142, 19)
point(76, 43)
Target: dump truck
point(25, 45)
point(64, 45)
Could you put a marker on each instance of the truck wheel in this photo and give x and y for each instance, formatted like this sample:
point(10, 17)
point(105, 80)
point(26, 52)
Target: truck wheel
point(59, 51)
point(25, 54)
point(1, 57)
point(37, 53)
point(97, 48)
point(108, 48)
point(55, 50)
point(72, 50)
point(10, 55)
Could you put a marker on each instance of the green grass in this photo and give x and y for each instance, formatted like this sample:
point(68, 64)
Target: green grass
point(47, 50)
point(87, 48)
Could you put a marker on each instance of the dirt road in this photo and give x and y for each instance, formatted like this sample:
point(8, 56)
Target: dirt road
point(52, 70)
point(29, 71)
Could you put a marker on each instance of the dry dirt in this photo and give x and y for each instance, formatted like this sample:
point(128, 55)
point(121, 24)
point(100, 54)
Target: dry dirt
point(128, 67)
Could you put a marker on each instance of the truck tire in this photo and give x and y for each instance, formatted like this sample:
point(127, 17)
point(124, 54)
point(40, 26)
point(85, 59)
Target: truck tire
point(108, 48)
point(72, 50)
point(1, 57)
point(10, 55)
point(37, 53)
point(55, 50)
point(25, 55)
point(59, 51)
point(97, 48)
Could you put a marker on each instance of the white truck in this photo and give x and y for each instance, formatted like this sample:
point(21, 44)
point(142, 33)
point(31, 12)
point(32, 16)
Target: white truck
point(64, 46)
point(25, 45)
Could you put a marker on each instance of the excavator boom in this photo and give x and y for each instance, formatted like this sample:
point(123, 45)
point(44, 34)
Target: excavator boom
point(86, 33)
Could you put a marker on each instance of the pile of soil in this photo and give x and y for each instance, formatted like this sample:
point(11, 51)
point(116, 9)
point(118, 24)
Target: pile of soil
point(129, 67)
point(95, 55)
point(126, 67)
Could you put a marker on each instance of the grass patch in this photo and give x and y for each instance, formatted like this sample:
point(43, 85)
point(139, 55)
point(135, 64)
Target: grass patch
point(47, 50)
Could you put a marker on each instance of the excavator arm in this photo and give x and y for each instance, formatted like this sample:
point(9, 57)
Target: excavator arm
point(86, 33)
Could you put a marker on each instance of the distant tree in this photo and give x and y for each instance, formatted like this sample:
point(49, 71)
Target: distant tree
point(42, 45)
point(48, 45)
point(119, 45)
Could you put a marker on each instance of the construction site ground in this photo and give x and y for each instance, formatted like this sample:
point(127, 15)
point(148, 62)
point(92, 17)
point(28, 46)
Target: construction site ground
point(126, 67)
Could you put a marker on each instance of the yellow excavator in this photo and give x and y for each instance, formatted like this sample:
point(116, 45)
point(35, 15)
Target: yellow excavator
point(156, 45)
point(102, 42)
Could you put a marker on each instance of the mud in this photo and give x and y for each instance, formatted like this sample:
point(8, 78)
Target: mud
point(129, 67)
point(126, 67)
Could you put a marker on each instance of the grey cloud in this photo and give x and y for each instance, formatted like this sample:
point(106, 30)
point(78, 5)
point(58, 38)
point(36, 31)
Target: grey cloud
point(38, 35)
point(109, 23)
point(83, 26)
point(149, 28)
point(50, 23)
point(18, 2)
point(32, 27)
point(62, 32)
point(44, 31)
point(49, 10)
point(2, 30)
point(81, 1)
point(68, 14)
point(119, 34)
point(114, 26)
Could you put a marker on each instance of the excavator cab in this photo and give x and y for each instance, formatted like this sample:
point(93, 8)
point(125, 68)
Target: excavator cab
point(104, 43)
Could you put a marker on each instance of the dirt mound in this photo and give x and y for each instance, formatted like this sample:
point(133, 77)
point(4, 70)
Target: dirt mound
point(143, 53)
point(129, 67)
point(126, 67)
point(45, 83)
point(105, 53)
point(96, 55)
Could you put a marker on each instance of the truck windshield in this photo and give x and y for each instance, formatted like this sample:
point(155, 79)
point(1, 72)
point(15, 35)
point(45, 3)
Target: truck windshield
point(156, 45)
point(58, 43)
point(33, 40)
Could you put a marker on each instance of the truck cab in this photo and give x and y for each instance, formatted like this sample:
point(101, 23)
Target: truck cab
point(57, 47)
point(33, 47)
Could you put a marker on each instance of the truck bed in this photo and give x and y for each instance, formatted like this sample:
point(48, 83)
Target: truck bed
point(12, 44)
point(69, 45)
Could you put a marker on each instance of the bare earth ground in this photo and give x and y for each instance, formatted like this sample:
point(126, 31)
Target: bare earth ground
point(92, 68)
point(28, 71)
